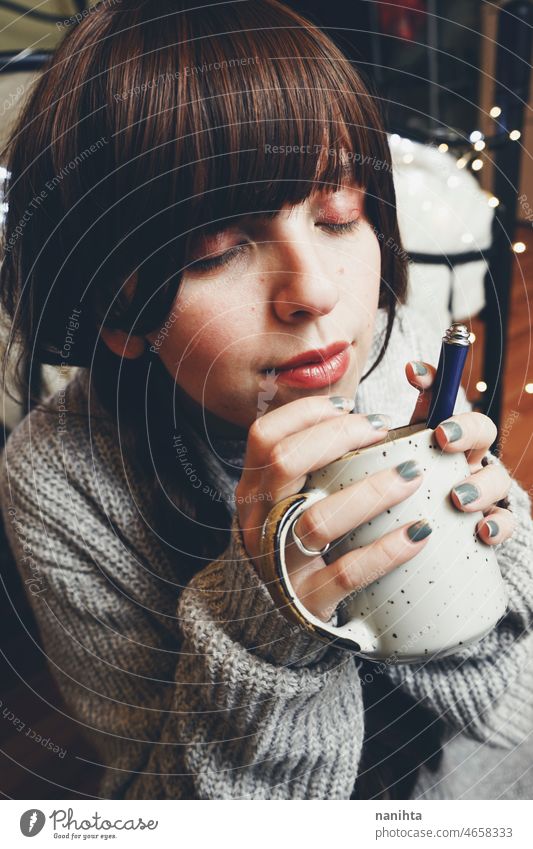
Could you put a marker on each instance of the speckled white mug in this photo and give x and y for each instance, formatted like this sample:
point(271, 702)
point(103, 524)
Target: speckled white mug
point(450, 595)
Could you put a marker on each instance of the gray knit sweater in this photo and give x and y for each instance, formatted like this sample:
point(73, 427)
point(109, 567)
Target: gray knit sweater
point(204, 690)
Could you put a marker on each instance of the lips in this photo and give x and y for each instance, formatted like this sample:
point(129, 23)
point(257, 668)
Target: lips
point(316, 369)
point(316, 355)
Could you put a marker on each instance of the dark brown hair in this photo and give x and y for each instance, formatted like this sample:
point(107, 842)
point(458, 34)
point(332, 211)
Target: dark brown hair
point(152, 120)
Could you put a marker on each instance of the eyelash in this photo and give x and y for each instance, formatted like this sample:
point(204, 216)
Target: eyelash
point(224, 259)
point(220, 260)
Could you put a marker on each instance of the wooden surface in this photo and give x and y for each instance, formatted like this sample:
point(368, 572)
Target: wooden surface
point(516, 429)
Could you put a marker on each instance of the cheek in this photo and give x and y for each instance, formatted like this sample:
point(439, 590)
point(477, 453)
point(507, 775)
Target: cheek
point(370, 255)
point(202, 342)
point(359, 275)
point(202, 337)
point(376, 265)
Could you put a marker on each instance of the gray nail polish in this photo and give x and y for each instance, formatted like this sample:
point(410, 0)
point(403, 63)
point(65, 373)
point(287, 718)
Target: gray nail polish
point(340, 402)
point(466, 493)
point(419, 368)
point(420, 530)
point(378, 421)
point(409, 470)
point(494, 528)
point(452, 430)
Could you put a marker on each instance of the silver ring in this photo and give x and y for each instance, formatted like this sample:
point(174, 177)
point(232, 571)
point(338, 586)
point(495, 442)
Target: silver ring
point(301, 547)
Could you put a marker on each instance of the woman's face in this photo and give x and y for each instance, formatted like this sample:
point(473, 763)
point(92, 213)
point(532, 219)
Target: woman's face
point(262, 291)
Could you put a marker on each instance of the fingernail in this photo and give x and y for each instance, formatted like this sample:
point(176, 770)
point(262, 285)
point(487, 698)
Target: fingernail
point(409, 470)
point(346, 404)
point(494, 528)
point(452, 431)
point(466, 493)
point(420, 530)
point(378, 421)
point(418, 367)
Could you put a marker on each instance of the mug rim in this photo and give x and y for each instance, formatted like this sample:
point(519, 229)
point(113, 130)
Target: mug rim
point(409, 429)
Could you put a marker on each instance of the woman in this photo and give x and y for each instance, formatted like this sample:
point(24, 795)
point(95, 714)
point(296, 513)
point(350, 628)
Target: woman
point(215, 198)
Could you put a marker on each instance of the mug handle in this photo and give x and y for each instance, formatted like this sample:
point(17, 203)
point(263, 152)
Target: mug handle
point(274, 573)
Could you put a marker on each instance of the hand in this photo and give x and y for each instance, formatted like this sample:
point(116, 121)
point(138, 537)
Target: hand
point(286, 444)
point(472, 433)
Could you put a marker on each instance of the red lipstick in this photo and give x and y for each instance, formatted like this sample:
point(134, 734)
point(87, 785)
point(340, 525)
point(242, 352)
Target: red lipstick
point(316, 368)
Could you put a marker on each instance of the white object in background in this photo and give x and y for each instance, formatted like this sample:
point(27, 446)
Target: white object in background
point(441, 210)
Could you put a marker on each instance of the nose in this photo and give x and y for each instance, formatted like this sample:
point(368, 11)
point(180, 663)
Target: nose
point(300, 289)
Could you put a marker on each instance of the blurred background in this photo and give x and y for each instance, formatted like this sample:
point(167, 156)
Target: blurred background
point(453, 78)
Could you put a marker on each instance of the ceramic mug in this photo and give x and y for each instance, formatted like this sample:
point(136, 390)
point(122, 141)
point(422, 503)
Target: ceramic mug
point(449, 595)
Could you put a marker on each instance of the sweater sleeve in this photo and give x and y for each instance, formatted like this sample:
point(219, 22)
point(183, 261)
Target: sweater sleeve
point(267, 712)
point(486, 690)
point(243, 705)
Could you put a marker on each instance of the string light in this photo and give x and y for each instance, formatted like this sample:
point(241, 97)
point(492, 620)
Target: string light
point(407, 158)
point(494, 202)
point(481, 386)
point(443, 147)
point(514, 135)
point(519, 247)
point(462, 162)
point(476, 136)
point(477, 165)
point(472, 338)
point(479, 145)
point(529, 388)
point(495, 112)
point(467, 238)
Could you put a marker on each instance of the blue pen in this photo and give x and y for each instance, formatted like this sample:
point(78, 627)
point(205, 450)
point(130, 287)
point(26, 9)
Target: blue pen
point(453, 354)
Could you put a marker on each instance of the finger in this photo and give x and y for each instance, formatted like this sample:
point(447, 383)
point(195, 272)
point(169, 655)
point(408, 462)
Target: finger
point(472, 433)
point(481, 490)
point(497, 526)
point(421, 375)
point(267, 430)
point(340, 512)
point(322, 591)
point(295, 456)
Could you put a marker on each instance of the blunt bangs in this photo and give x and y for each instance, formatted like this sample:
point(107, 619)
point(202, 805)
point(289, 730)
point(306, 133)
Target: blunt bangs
point(176, 120)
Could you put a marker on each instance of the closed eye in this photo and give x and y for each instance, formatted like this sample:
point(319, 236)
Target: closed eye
point(220, 260)
point(344, 227)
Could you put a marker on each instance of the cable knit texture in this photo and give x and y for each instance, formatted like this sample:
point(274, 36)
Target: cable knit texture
point(200, 688)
